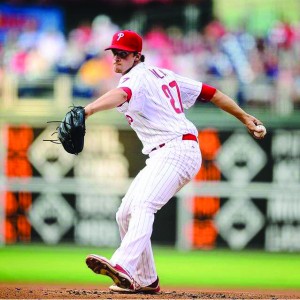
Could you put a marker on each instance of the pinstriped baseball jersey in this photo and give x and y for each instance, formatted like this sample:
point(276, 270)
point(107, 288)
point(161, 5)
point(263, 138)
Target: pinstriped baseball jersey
point(156, 99)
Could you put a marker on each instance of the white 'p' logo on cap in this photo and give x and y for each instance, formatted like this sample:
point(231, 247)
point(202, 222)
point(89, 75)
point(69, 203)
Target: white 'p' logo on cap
point(120, 35)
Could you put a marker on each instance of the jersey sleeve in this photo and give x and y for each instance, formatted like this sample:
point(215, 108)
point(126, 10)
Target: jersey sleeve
point(190, 90)
point(130, 84)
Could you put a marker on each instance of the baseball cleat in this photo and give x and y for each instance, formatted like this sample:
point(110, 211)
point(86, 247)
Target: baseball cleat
point(101, 265)
point(153, 288)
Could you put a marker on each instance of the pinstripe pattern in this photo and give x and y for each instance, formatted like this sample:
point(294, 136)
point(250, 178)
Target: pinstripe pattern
point(155, 111)
point(154, 119)
point(167, 170)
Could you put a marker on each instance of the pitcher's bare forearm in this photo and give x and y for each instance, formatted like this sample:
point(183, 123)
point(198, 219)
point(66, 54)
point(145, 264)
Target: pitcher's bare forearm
point(109, 100)
point(229, 105)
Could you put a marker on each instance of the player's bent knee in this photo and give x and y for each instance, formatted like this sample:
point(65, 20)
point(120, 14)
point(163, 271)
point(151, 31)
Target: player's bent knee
point(141, 209)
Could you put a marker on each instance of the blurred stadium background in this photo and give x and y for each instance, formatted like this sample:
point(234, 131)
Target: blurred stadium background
point(244, 201)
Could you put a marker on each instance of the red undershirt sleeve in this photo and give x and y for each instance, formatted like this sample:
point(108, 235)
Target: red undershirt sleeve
point(207, 93)
point(128, 92)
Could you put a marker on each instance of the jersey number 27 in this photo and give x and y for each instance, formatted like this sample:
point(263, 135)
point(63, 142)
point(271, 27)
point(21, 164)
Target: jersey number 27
point(175, 101)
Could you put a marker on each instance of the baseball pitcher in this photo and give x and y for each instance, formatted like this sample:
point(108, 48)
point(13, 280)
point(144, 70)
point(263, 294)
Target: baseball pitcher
point(153, 101)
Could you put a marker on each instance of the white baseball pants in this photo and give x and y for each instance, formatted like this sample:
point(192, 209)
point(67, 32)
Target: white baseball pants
point(167, 170)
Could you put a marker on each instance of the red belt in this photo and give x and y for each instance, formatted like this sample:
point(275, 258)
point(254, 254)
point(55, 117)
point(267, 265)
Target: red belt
point(185, 137)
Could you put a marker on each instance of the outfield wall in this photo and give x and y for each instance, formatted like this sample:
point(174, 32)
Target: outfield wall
point(246, 194)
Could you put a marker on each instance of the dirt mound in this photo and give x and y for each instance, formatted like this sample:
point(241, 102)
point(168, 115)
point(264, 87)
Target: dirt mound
point(29, 291)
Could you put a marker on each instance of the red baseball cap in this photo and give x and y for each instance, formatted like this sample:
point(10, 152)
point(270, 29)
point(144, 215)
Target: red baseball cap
point(126, 40)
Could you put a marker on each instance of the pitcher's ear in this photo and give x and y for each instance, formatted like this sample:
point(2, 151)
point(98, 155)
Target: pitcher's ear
point(137, 56)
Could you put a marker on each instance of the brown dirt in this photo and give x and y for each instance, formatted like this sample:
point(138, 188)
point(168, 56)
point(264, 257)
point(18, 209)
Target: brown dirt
point(35, 291)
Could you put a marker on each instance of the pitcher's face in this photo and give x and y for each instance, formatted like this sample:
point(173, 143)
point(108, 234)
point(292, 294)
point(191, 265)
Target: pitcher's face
point(123, 60)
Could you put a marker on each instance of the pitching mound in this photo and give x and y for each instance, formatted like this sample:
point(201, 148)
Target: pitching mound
point(27, 291)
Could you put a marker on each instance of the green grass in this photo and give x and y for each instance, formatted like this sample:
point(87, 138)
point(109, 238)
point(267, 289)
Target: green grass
point(218, 268)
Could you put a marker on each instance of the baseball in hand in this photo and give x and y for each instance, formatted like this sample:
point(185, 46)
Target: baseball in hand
point(261, 131)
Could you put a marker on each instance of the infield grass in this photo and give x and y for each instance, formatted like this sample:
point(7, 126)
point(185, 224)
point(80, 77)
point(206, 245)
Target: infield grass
point(218, 268)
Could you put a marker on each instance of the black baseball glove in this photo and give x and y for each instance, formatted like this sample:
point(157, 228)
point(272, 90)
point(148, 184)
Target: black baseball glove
point(71, 130)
